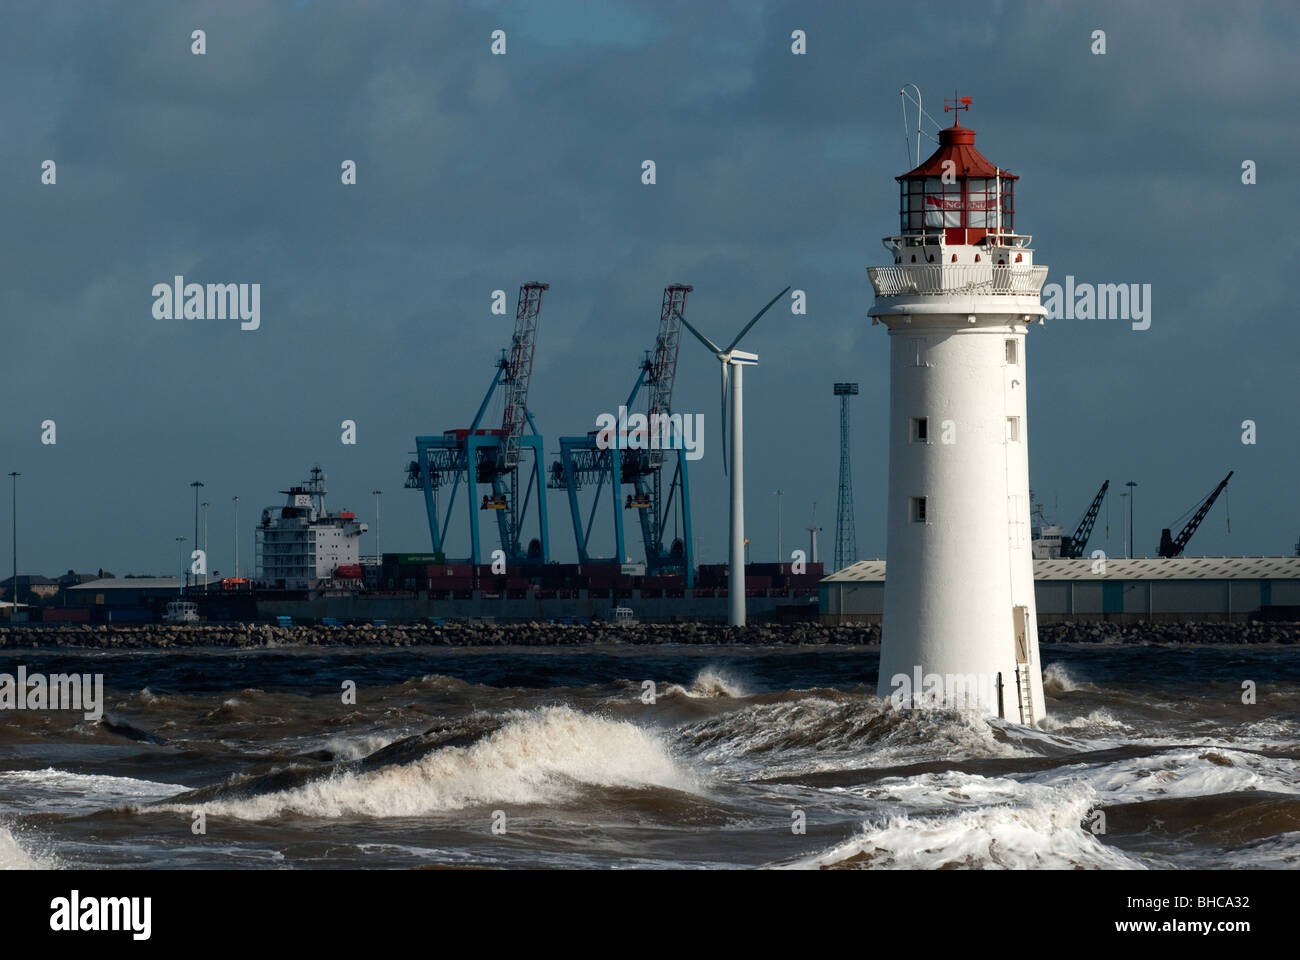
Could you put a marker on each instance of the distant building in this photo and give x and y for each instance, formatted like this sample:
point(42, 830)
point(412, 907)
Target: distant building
point(32, 588)
point(130, 592)
point(1149, 589)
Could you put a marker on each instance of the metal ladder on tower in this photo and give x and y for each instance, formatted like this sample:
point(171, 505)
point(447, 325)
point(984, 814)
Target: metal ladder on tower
point(1026, 691)
point(1024, 686)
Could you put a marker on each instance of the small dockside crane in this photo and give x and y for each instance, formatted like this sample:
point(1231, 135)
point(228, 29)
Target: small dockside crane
point(1173, 546)
point(1074, 546)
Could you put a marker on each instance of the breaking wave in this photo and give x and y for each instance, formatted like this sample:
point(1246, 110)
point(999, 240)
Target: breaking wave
point(16, 856)
point(545, 755)
point(710, 683)
point(865, 732)
point(1056, 680)
point(1042, 830)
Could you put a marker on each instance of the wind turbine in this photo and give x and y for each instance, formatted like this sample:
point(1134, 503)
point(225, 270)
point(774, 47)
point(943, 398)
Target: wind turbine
point(737, 359)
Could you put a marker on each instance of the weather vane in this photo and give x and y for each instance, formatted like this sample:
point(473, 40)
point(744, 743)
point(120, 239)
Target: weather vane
point(957, 103)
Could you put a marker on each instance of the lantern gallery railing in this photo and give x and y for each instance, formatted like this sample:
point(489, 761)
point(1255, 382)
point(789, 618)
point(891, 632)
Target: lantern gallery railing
point(979, 279)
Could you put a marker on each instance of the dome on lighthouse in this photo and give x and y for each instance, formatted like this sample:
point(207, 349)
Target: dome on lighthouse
point(956, 195)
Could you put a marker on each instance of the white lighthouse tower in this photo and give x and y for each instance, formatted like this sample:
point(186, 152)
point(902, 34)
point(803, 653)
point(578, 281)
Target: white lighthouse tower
point(959, 615)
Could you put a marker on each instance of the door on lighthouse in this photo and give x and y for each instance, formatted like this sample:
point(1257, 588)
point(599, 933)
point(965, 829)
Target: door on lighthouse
point(1020, 616)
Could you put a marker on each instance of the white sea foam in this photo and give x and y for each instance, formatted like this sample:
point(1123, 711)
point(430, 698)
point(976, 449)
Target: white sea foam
point(539, 756)
point(711, 682)
point(59, 791)
point(15, 855)
point(817, 734)
point(354, 748)
point(1187, 772)
point(1098, 721)
point(1056, 679)
point(1041, 830)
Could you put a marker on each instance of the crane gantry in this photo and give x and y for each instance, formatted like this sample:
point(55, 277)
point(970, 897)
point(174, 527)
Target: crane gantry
point(475, 455)
point(618, 460)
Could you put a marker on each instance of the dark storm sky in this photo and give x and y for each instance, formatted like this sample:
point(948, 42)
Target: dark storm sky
point(479, 172)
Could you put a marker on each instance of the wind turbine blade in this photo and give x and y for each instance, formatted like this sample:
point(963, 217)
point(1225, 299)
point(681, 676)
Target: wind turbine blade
point(754, 321)
point(699, 336)
point(725, 371)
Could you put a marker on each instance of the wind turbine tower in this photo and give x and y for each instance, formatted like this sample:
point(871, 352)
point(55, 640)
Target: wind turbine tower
point(846, 536)
point(733, 363)
point(957, 303)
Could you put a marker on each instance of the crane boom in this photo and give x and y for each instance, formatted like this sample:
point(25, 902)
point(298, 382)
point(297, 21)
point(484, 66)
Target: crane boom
point(518, 371)
point(1077, 544)
point(663, 365)
point(1173, 547)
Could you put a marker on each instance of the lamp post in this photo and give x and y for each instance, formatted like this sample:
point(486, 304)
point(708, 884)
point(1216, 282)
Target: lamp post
point(205, 545)
point(13, 476)
point(180, 552)
point(1132, 533)
point(378, 556)
point(1124, 496)
point(236, 500)
point(779, 556)
point(197, 484)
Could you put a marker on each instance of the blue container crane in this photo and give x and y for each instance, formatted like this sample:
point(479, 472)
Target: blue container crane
point(476, 455)
point(607, 460)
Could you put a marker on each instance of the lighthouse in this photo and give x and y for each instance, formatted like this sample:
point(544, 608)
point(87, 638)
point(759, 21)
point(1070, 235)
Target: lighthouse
point(959, 617)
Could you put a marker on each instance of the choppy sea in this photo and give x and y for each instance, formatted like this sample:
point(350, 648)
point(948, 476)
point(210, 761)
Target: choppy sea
point(663, 756)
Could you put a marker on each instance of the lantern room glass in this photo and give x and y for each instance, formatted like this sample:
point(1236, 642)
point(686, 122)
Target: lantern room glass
point(928, 205)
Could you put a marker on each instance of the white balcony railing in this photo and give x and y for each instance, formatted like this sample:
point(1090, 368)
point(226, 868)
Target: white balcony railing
point(975, 279)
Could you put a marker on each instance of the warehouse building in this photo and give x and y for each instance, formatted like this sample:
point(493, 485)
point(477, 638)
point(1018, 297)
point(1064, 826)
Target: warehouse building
point(1146, 589)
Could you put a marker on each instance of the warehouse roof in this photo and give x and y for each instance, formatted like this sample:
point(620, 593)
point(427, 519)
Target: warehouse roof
point(1141, 568)
point(136, 583)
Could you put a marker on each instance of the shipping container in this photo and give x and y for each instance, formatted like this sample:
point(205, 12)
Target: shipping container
point(418, 559)
point(64, 614)
point(129, 615)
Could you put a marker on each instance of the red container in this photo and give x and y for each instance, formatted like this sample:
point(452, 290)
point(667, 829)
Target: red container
point(64, 615)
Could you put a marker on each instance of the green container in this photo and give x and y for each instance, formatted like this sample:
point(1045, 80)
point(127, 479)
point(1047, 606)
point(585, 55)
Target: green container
point(413, 559)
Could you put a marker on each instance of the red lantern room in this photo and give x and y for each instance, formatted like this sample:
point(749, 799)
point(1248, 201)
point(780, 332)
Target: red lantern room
point(956, 196)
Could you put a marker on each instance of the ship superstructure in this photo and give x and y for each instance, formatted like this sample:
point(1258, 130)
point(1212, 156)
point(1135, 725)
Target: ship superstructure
point(301, 544)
